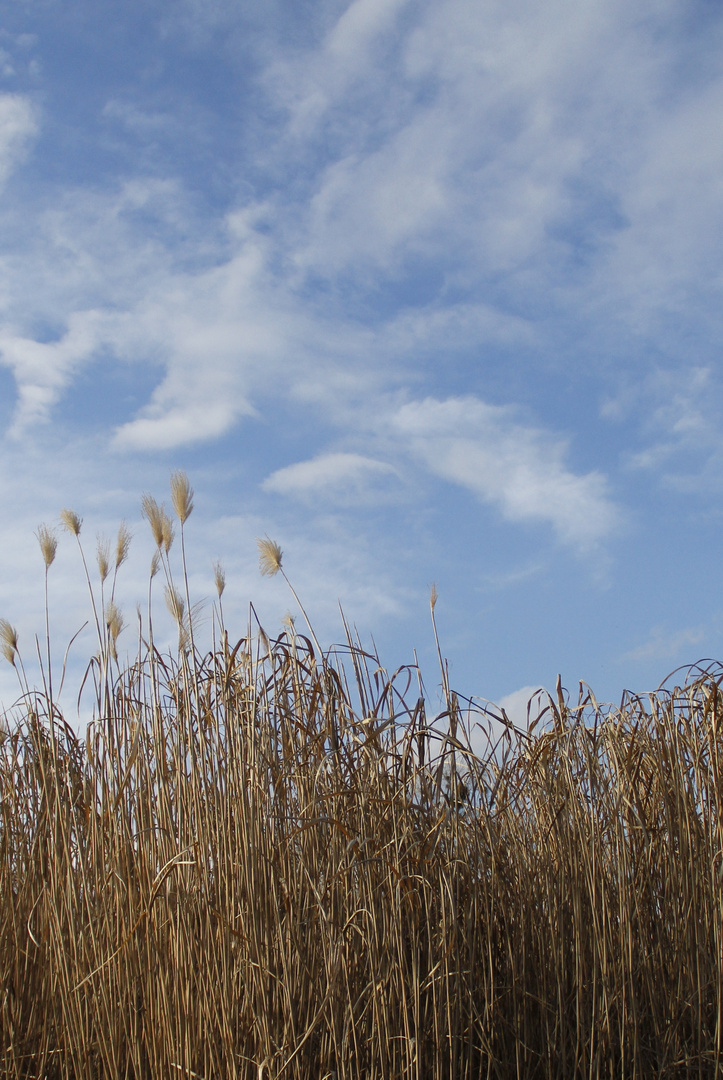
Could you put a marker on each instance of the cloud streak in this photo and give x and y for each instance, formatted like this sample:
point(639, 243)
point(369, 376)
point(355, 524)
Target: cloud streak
point(521, 470)
point(479, 146)
point(18, 126)
point(664, 644)
point(335, 474)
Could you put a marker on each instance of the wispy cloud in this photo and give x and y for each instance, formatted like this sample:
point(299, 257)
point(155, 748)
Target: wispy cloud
point(519, 469)
point(523, 706)
point(490, 127)
point(479, 149)
point(339, 475)
point(18, 125)
point(43, 370)
point(682, 442)
point(666, 644)
point(510, 579)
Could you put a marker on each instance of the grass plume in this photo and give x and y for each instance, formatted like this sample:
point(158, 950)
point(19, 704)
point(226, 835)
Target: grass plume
point(181, 495)
point(48, 542)
point(270, 556)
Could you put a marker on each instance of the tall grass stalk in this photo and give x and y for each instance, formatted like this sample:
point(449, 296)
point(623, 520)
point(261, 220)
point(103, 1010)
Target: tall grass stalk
point(204, 885)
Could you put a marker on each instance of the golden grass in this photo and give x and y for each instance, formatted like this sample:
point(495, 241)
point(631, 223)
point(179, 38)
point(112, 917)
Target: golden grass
point(265, 862)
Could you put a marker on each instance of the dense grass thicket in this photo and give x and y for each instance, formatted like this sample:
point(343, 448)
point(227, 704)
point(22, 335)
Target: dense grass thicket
point(264, 861)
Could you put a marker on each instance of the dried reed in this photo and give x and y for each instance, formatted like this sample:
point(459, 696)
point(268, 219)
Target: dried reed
point(251, 867)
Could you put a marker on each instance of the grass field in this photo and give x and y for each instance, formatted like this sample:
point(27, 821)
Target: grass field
point(266, 861)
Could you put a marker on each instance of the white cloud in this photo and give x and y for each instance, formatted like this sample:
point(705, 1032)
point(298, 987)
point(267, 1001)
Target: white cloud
point(458, 132)
point(680, 425)
point(503, 580)
point(43, 370)
point(519, 469)
point(224, 337)
point(229, 338)
point(661, 269)
point(367, 206)
point(448, 328)
point(351, 55)
point(18, 124)
point(161, 428)
point(140, 121)
point(475, 135)
point(558, 150)
point(523, 706)
point(359, 26)
point(328, 474)
point(665, 644)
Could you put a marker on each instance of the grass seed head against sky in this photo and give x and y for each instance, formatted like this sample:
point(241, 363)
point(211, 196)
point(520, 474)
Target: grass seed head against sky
point(425, 292)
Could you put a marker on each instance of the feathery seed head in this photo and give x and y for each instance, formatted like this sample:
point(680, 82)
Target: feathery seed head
point(167, 530)
point(114, 620)
point(151, 511)
point(8, 641)
point(433, 596)
point(219, 576)
point(181, 495)
point(71, 521)
point(48, 544)
point(159, 521)
point(115, 623)
point(155, 564)
point(103, 557)
point(175, 604)
point(270, 555)
point(122, 544)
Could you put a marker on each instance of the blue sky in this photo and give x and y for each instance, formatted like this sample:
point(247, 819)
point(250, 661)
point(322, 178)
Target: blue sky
point(427, 292)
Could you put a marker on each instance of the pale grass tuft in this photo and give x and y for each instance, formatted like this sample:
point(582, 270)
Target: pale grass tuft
point(155, 564)
point(219, 577)
point(103, 557)
point(48, 544)
point(71, 521)
point(122, 544)
point(168, 531)
point(151, 511)
point(114, 620)
point(8, 641)
point(433, 597)
point(175, 604)
point(181, 495)
point(159, 521)
point(270, 556)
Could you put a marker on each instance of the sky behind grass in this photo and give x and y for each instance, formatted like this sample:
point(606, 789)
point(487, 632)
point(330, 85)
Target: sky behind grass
point(424, 291)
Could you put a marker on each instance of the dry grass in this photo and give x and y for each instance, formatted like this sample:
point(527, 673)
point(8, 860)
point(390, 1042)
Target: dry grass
point(251, 867)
